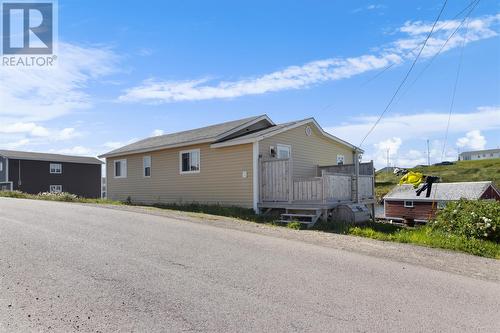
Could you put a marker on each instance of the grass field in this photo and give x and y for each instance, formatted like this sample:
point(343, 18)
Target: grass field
point(462, 171)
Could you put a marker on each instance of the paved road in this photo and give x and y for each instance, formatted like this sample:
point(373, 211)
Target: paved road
point(67, 267)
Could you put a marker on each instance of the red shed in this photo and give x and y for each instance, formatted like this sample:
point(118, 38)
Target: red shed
point(402, 202)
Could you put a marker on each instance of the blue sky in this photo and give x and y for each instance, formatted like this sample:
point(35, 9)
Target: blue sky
point(128, 70)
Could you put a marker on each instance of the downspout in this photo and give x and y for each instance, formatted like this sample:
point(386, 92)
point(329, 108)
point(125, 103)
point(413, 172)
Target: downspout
point(255, 177)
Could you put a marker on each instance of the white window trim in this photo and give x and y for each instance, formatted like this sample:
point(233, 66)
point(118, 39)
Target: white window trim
point(280, 145)
point(343, 159)
point(144, 166)
point(50, 189)
point(60, 168)
point(409, 206)
point(123, 170)
point(180, 161)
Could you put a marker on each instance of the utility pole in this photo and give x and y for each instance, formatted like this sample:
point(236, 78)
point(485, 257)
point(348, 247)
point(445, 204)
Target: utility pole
point(428, 154)
point(388, 164)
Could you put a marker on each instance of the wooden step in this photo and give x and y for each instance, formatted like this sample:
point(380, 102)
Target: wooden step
point(298, 215)
point(290, 221)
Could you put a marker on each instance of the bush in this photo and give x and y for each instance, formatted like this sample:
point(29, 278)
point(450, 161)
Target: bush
point(428, 236)
point(294, 225)
point(63, 196)
point(472, 219)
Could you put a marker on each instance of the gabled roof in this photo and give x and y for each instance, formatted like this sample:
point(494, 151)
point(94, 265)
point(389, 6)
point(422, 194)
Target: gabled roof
point(195, 136)
point(231, 133)
point(494, 150)
point(441, 191)
point(25, 155)
point(265, 133)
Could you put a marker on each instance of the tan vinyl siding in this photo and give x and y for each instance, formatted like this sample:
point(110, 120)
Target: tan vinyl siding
point(220, 179)
point(307, 151)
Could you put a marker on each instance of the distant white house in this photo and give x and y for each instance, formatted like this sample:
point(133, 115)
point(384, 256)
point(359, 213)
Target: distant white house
point(479, 154)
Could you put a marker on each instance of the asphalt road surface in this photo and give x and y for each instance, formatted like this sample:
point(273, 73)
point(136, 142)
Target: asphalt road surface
point(68, 267)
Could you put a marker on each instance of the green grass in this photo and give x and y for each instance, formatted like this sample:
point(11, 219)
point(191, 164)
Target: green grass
point(461, 171)
point(229, 211)
point(64, 197)
point(424, 236)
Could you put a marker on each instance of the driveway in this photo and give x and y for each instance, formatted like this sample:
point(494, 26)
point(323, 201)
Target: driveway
point(70, 267)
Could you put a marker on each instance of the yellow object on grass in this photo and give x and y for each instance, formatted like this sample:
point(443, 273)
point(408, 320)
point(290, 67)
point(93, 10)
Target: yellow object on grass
point(412, 178)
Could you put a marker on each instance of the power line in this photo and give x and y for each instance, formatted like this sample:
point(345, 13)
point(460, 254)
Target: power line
point(430, 62)
point(459, 68)
point(382, 71)
point(407, 74)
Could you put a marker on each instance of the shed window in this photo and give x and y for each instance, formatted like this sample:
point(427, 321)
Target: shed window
point(340, 159)
point(55, 188)
point(409, 204)
point(55, 168)
point(284, 151)
point(146, 163)
point(120, 168)
point(1, 166)
point(189, 161)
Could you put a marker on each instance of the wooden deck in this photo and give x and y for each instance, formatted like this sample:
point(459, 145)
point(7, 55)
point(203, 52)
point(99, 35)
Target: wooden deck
point(336, 185)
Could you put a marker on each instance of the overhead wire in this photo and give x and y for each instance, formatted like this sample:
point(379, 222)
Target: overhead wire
point(407, 74)
point(452, 103)
point(445, 24)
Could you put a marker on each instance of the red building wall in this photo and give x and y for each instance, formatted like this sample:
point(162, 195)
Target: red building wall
point(420, 211)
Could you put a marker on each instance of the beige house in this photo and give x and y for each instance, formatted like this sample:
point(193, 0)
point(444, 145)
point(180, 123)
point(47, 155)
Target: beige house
point(250, 162)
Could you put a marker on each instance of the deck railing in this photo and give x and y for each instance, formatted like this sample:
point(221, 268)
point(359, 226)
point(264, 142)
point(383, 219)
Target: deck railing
point(277, 184)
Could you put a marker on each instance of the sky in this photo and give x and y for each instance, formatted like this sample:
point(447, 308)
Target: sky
point(127, 70)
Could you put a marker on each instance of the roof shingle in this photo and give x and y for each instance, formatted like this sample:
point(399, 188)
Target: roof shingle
point(208, 133)
point(441, 191)
point(26, 155)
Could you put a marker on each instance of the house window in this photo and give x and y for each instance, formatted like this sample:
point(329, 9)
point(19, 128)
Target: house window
point(1, 166)
point(409, 204)
point(340, 159)
point(284, 151)
point(189, 161)
point(56, 168)
point(55, 188)
point(120, 168)
point(146, 165)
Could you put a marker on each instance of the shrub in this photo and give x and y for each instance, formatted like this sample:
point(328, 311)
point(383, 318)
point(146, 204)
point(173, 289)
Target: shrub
point(472, 219)
point(294, 225)
point(63, 196)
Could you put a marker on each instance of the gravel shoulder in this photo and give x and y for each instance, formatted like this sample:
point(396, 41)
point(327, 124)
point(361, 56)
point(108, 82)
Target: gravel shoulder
point(437, 259)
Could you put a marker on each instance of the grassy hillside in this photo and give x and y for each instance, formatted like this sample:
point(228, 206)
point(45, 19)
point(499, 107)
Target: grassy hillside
point(462, 171)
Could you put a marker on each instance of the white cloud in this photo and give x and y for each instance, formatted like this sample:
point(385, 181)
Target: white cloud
point(386, 149)
point(419, 125)
point(315, 72)
point(67, 134)
point(473, 140)
point(29, 128)
point(401, 156)
point(157, 132)
point(110, 145)
point(368, 8)
point(37, 94)
point(16, 144)
point(76, 150)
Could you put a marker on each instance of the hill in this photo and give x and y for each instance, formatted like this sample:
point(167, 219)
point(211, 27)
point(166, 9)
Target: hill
point(461, 171)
